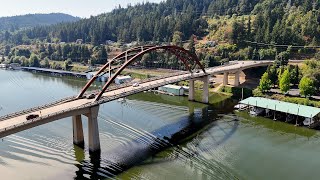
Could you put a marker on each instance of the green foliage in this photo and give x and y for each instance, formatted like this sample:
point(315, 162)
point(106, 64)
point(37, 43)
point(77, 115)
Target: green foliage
point(265, 82)
point(236, 91)
point(306, 87)
point(34, 61)
point(272, 73)
point(294, 74)
point(177, 38)
point(284, 82)
point(282, 58)
point(267, 54)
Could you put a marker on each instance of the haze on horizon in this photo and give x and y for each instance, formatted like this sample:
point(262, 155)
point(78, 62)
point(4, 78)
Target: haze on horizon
point(79, 8)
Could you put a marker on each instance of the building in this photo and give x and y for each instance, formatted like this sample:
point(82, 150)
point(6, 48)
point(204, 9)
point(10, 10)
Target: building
point(173, 89)
point(101, 78)
point(123, 79)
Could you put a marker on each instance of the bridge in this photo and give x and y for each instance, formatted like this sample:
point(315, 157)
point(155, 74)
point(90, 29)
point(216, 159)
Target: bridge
point(79, 105)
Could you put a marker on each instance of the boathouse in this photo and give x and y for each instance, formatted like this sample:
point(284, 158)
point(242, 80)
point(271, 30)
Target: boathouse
point(172, 89)
point(283, 107)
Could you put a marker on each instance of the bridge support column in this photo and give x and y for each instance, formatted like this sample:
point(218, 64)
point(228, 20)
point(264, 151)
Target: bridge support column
point(237, 79)
point(94, 140)
point(225, 78)
point(191, 90)
point(77, 131)
point(205, 95)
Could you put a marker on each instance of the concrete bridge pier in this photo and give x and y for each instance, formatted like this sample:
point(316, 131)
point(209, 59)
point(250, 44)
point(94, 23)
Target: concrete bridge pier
point(191, 90)
point(237, 79)
point(93, 130)
point(205, 95)
point(77, 131)
point(225, 78)
point(93, 133)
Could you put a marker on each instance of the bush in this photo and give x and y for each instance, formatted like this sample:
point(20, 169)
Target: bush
point(236, 91)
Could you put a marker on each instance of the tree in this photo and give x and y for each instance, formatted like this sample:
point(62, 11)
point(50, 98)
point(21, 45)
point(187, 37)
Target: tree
point(306, 87)
point(273, 76)
point(34, 61)
point(46, 62)
point(295, 75)
point(177, 38)
point(191, 45)
point(282, 59)
point(265, 82)
point(284, 82)
point(67, 64)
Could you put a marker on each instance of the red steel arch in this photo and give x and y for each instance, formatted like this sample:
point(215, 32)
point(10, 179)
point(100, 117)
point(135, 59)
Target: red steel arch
point(182, 54)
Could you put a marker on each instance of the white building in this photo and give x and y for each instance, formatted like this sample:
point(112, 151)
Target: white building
point(172, 89)
point(102, 78)
point(122, 79)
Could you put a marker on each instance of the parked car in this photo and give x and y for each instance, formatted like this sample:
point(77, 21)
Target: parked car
point(91, 96)
point(135, 85)
point(32, 116)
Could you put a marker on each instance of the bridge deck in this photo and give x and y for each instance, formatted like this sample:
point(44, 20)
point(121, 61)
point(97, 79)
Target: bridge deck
point(61, 110)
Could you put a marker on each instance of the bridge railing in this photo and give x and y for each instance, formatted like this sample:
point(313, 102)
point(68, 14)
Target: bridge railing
point(37, 108)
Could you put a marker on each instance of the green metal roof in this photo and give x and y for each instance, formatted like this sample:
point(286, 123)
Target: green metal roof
point(290, 108)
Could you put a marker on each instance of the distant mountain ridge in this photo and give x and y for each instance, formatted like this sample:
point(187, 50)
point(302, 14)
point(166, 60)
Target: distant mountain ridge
point(32, 20)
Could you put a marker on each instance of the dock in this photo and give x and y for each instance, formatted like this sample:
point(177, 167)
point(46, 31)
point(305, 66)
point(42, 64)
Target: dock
point(54, 71)
point(308, 113)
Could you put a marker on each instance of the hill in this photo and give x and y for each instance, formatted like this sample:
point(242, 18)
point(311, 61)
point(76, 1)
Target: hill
point(291, 22)
point(31, 20)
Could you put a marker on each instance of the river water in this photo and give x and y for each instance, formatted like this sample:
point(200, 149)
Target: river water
point(151, 137)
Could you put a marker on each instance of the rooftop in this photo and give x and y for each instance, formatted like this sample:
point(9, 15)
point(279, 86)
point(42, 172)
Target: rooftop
point(172, 86)
point(285, 107)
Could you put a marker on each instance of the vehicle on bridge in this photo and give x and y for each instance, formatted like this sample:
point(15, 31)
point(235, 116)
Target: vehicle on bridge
point(135, 85)
point(91, 96)
point(32, 116)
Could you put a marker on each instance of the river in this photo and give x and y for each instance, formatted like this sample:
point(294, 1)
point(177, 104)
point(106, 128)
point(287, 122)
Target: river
point(151, 136)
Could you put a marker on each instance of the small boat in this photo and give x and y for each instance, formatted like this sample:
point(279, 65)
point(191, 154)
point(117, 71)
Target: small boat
point(241, 107)
point(255, 111)
point(308, 121)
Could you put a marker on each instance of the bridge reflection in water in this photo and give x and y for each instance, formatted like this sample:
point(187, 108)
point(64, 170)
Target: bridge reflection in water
point(139, 151)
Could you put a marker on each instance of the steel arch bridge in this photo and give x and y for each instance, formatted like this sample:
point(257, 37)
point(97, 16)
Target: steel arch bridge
point(121, 61)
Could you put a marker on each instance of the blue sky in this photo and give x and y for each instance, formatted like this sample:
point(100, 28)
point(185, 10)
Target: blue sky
point(80, 8)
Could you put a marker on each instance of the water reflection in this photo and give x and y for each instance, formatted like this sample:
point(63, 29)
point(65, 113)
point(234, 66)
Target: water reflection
point(121, 158)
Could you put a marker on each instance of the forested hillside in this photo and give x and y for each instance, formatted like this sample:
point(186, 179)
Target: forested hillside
point(144, 22)
point(31, 20)
point(278, 21)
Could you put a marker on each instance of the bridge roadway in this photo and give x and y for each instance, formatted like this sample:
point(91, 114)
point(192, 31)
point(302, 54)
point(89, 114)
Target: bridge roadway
point(17, 122)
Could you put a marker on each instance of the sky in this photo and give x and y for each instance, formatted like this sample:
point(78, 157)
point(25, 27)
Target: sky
point(80, 8)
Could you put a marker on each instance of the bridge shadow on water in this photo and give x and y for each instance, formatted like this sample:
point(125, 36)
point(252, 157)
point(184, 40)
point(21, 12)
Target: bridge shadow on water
point(147, 145)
